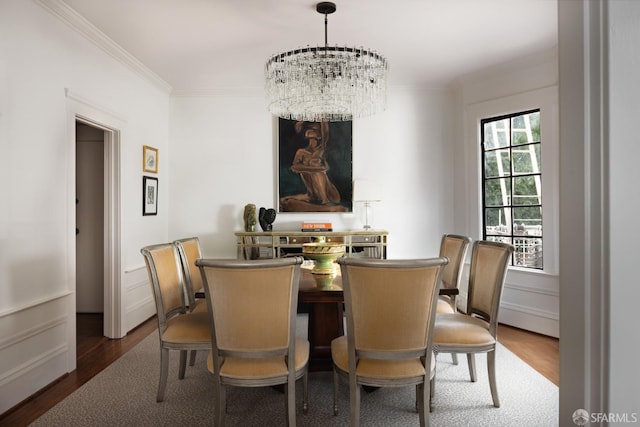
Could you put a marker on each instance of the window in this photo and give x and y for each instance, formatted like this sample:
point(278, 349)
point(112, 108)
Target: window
point(512, 184)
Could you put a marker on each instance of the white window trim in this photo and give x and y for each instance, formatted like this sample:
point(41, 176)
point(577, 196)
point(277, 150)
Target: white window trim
point(546, 99)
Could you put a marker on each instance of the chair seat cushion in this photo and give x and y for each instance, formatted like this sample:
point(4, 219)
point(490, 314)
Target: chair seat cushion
point(247, 368)
point(200, 306)
point(444, 306)
point(376, 368)
point(461, 330)
point(190, 327)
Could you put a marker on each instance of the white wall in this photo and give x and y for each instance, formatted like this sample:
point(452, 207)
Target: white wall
point(223, 156)
point(624, 205)
point(40, 56)
point(599, 65)
point(531, 298)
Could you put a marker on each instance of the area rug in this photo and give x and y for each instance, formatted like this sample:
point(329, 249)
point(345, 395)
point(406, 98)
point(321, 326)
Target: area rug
point(124, 395)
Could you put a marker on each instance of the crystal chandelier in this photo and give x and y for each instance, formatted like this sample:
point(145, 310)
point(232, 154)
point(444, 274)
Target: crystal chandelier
point(326, 83)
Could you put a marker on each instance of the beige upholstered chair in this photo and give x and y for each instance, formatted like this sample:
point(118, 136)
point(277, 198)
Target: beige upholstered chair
point(390, 308)
point(177, 327)
point(455, 248)
point(253, 307)
point(189, 250)
point(475, 331)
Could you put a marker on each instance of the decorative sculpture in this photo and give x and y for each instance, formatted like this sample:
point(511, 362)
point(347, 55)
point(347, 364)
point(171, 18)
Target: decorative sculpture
point(250, 217)
point(266, 218)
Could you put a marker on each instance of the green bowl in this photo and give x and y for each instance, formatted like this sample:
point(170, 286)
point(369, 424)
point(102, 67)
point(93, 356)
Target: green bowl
point(324, 255)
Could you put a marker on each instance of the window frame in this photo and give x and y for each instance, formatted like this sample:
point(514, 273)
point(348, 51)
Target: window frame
point(510, 177)
point(546, 100)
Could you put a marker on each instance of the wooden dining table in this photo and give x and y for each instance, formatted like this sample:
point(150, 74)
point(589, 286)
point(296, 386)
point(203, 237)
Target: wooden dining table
point(325, 299)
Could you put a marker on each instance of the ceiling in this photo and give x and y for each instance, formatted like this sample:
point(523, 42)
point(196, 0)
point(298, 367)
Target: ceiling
point(208, 45)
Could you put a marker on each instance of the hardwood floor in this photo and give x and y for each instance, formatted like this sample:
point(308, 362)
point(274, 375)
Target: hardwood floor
point(96, 352)
point(540, 352)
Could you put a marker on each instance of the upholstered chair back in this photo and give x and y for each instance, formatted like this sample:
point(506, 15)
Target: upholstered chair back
point(375, 302)
point(163, 266)
point(251, 309)
point(254, 303)
point(489, 263)
point(454, 247)
point(392, 302)
point(189, 250)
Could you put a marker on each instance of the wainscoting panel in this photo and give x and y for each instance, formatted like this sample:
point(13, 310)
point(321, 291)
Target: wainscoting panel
point(39, 353)
point(139, 304)
point(530, 301)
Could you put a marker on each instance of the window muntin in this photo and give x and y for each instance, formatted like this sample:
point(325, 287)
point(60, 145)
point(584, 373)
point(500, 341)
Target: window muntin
point(511, 184)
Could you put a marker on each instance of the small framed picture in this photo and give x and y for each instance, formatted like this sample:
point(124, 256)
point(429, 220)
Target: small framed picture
point(149, 159)
point(149, 195)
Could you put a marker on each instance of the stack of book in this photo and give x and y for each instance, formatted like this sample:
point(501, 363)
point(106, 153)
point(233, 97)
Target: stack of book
point(316, 226)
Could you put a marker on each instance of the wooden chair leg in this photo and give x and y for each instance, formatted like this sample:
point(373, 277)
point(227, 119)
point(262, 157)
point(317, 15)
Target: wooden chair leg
point(354, 403)
point(335, 392)
point(471, 360)
point(422, 392)
point(491, 367)
point(432, 392)
point(183, 364)
point(221, 407)
point(192, 358)
point(305, 393)
point(164, 372)
point(290, 396)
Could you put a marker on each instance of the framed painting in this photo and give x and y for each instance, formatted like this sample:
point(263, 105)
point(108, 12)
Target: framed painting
point(149, 195)
point(314, 166)
point(149, 159)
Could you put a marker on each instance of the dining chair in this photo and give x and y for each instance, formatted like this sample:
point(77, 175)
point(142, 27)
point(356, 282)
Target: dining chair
point(475, 330)
point(455, 248)
point(390, 307)
point(189, 250)
point(178, 328)
point(252, 306)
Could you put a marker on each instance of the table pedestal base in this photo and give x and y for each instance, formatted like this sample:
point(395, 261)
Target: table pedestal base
point(326, 322)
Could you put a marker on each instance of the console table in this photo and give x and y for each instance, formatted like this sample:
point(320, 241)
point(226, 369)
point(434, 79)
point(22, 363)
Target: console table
point(276, 244)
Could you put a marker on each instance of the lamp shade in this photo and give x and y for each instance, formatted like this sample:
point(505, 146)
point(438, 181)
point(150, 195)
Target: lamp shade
point(366, 191)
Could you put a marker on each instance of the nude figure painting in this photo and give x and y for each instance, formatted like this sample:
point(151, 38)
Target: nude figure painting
point(314, 166)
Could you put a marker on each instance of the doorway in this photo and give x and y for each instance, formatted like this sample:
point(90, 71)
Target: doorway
point(102, 200)
point(90, 285)
point(82, 110)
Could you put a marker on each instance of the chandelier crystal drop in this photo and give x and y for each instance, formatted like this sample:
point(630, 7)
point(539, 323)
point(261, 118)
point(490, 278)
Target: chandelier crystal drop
point(326, 83)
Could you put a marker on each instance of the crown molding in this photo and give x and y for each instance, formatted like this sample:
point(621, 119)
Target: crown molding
point(78, 23)
point(233, 91)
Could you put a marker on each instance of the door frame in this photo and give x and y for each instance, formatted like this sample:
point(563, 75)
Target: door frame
point(82, 110)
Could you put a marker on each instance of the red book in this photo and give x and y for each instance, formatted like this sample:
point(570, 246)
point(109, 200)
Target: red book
point(322, 226)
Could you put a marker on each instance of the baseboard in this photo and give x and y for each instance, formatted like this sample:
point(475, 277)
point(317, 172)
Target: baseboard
point(524, 317)
point(539, 321)
point(139, 313)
